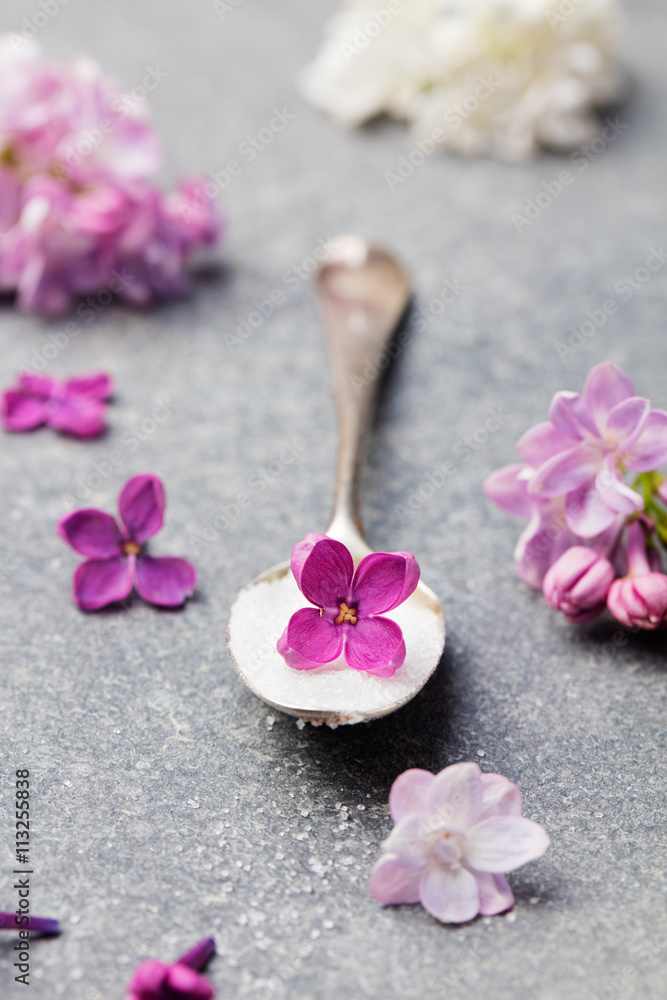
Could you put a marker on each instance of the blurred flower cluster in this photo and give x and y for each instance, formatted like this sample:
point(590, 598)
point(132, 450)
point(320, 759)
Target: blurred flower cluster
point(77, 213)
point(496, 77)
point(593, 539)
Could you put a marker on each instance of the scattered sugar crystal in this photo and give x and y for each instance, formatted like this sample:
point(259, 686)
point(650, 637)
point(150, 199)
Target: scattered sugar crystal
point(259, 616)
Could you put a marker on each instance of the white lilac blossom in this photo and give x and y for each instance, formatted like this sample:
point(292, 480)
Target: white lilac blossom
point(496, 77)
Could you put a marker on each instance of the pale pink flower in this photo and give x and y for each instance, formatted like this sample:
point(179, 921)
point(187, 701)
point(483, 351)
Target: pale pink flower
point(456, 835)
point(640, 598)
point(578, 583)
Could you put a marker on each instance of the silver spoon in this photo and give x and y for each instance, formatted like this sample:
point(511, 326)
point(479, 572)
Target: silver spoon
point(363, 294)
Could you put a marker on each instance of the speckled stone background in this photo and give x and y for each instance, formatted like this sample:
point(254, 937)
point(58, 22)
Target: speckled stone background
point(169, 803)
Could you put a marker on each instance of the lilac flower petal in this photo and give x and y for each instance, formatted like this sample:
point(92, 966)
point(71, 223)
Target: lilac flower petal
point(98, 384)
point(374, 645)
point(409, 840)
point(38, 385)
point(615, 494)
point(188, 983)
point(148, 978)
point(383, 580)
point(315, 637)
point(545, 538)
point(141, 505)
point(409, 793)
point(80, 416)
point(98, 582)
point(542, 442)
point(164, 580)
point(301, 551)
point(650, 450)
point(325, 574)
point(568, 414)
point(495, 894)
point(456, 795)
point(639, 601)
point(586, 513)
point(500, 796)
point(449, 894)
point(20, 412)
point(605, 387)
point(565, 472)
point(509, 491)
point(626, 421)
point(291, 657)
point(393, 882)
point(92, 533)
point(503, 843)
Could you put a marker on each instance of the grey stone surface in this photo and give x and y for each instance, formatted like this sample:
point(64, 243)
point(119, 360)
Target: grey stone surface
point(168, 803)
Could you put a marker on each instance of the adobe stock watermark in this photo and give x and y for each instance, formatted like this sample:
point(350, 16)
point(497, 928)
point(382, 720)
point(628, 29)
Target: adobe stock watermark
point(559, 14)
point(463, 449)
point(454, 117)
point(365, 33)
point(450, 291)
point(625, 288)
point(132, 439)
point(292, 278)
point(87, 310)
point(33, 24)
point(257, 484)
point(223, 7)
point(247, 150)
point(581, 159)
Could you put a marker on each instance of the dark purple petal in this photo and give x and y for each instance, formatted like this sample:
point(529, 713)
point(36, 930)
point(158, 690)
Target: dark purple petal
point(21, 412)
point(542, 442)
point(291, 657)
point(325, 574)
point(147, 980)
point(383, 580)
point(91, 533)
point(81, 416)
point(649, 451)
point(508, 489)
point(569, 415)
point(164, 580)
point(301, 551)
point(141, 504)
point(605, 387)
point(187, 983)
point(394, 882)
point(314, 636)
point(374, 645)
point(98, 385)
point(38, 385)
point(98, 582)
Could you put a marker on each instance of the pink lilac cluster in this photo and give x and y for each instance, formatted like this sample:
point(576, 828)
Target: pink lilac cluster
point(593, 538)
point(456, 834)
point(74, 406)
point(77, 213)
point(349, 607)
point(182, 980)
point(116, 554)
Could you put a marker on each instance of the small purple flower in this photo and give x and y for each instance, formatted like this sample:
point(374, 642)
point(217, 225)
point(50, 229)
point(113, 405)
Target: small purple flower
point(180, 981)
point(456, 834)
point(578, 583)
point(347, 617)
point(75, 406)
point(640, 598)
point(117, 561)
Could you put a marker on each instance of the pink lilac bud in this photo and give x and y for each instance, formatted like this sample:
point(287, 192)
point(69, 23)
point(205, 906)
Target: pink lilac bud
point(640, 598)
point(577, 584)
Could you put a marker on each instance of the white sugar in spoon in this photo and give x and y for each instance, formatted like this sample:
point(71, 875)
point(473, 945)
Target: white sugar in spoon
point(363, 294)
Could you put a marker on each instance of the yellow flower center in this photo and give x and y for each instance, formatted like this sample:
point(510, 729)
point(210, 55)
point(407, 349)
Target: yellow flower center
point(346, 615)
point(131, 549)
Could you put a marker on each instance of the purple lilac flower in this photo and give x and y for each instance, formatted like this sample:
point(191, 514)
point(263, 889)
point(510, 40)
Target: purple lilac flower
point(180, 981)
point(75, 406)
point(117, 558)
point(578, 583)
point(456, 834)
point(640, 598)
point(349, 606)
point(75, 204)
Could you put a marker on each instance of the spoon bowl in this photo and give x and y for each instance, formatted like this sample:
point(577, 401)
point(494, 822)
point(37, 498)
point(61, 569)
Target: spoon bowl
point(364, 293)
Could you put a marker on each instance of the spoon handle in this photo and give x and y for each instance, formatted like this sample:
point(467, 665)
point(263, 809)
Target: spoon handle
point(363, 294)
